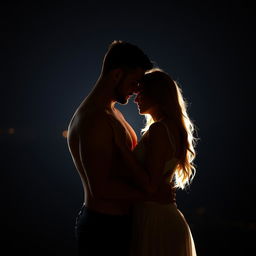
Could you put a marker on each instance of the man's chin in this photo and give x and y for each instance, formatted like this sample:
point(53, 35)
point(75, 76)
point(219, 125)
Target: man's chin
point(123, 101)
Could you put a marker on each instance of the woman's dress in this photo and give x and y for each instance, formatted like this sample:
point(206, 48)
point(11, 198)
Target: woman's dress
point(160, 229)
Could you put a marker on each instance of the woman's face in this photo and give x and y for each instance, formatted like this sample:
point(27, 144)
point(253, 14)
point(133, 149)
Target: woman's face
point(145, 104)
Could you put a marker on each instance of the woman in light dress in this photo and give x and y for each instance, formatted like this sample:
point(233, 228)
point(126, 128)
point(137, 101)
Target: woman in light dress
point(165, 154)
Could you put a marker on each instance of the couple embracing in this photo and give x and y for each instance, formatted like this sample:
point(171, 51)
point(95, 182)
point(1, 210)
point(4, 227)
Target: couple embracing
point(129, 186)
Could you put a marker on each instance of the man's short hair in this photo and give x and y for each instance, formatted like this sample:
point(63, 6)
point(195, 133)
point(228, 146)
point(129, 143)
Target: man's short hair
point(122, 54)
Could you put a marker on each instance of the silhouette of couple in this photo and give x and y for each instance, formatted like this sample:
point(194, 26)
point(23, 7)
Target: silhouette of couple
point(129, 203)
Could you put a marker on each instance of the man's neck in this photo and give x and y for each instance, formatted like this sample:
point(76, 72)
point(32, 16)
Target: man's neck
point(102, 95)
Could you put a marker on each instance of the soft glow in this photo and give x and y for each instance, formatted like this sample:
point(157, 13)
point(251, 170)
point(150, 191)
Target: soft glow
point(65, 133)
point(11, 131)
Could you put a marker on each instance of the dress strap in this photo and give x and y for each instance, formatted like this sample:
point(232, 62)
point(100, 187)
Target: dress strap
point(170, 136)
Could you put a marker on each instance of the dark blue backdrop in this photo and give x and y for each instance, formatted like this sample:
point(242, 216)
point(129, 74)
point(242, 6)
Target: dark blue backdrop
point(52, 55)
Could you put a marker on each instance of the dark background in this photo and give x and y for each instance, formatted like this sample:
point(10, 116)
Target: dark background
point(51, 55)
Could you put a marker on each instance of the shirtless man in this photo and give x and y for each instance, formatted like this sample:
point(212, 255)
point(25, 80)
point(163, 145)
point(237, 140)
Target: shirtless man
point(103, 224)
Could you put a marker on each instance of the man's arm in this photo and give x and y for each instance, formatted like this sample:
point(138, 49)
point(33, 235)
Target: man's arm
point(97, 156)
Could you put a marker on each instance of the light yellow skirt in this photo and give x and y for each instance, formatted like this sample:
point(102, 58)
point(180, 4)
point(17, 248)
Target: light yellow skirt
point(160, 230)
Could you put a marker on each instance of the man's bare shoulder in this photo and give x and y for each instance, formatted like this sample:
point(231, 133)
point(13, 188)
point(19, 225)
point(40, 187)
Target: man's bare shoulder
point(93, 120)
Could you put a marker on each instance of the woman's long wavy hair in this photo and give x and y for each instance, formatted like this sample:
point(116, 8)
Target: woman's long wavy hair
point(163, 90)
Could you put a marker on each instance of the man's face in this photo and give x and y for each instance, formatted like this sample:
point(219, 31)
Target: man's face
point(128, 85)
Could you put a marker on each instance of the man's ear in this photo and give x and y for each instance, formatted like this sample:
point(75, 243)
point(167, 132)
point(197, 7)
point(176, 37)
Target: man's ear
point(117, 75)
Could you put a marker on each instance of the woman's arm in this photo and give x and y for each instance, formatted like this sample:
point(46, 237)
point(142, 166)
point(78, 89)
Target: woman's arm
point(147, 178)
point(158, 151)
